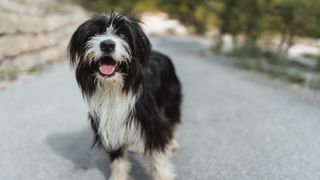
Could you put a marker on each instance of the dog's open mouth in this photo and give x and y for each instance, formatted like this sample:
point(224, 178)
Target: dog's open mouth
point(107, 66)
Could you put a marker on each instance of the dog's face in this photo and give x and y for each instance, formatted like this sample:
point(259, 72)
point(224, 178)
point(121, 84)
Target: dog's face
point(109, 48)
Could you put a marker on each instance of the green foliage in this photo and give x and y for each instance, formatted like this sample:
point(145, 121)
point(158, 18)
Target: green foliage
point(318, 65)
point(315, 84)
point(279, 68)
point(189, 12)
point(248, 50)
point(248, 18)
point(123, 6)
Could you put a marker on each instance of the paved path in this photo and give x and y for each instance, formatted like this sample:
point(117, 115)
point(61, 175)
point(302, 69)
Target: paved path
point(237, 126)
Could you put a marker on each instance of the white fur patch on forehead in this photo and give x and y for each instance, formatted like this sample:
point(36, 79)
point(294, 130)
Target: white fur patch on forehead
point(110, 30)
point(115, 18)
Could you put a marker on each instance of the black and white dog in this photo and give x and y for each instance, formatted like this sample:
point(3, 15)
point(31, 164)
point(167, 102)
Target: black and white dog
point(133, 93)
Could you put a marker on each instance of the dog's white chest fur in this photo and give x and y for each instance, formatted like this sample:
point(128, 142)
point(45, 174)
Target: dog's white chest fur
point(113, 108)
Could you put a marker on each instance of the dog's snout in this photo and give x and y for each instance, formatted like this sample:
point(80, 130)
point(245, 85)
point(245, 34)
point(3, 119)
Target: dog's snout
point(107, 46)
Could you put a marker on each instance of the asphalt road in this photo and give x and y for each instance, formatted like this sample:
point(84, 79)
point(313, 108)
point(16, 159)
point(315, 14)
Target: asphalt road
point(236, 125)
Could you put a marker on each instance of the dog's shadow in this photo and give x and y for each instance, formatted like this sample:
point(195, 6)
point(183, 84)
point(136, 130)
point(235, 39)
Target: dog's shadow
point(76, 148)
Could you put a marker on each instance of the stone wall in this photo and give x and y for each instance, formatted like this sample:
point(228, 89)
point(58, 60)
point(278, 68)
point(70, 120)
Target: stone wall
point(34, 32)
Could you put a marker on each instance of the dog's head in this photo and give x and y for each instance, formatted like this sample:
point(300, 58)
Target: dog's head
point(109, 49)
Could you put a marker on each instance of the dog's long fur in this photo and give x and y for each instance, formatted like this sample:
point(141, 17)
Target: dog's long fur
point(138, 105)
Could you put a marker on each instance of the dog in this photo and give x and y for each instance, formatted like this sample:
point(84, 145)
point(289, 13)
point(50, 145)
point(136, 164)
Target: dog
point(132, 91)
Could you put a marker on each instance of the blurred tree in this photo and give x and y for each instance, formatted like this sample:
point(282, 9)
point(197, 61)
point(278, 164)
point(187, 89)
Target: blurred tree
point(229, 20)
point(252, 11)
point(309, 19)
point(292, 18)
point(189, 12)
point(240, 17)
point(123, 6)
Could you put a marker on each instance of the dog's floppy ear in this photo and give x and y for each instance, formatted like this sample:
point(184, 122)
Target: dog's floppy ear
point(141, 43)
point(77, 43)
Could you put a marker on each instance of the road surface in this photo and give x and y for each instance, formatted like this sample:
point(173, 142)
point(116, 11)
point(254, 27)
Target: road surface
point(236, 125)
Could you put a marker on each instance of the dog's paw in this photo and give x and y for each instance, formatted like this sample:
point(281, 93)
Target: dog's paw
point(137, 151)
point(173, 146)
point(120, 178)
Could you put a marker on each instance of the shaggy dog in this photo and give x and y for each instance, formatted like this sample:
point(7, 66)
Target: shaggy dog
point(132, 91)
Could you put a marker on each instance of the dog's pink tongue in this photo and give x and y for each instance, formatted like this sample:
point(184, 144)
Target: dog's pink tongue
point(106, 69)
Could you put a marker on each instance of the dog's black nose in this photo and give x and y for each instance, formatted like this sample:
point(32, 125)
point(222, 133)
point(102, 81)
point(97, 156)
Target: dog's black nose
point(107, 46)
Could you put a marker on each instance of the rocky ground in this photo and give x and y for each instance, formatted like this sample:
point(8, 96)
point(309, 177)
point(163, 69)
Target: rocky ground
point(34, 33)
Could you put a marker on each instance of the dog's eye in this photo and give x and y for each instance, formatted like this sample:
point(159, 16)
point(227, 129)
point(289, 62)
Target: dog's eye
point(96, 34)
point(122, 36)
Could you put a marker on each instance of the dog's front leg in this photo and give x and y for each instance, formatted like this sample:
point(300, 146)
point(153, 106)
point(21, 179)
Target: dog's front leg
point(120, 166)
point(161, 168)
